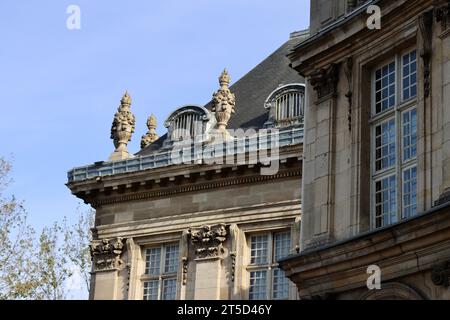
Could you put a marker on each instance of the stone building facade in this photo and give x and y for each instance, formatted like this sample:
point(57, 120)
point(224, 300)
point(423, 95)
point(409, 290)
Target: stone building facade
point(178, 219)
point(376, 180)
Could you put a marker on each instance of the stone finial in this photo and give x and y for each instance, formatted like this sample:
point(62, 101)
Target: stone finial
point(122, 129)
point(224, 103)
point(151, 136)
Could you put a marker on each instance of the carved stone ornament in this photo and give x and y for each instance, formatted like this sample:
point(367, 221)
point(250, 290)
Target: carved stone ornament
point(224, 103)
point(325, 80)
point(348, 69)
point(440, 274)
point(442, 13)
point(208, 241)
point(122, 129)
point(151, 136)
point(426, 29)
point(106, 254)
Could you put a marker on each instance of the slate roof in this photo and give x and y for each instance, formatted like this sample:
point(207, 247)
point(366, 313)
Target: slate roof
point(254, 88)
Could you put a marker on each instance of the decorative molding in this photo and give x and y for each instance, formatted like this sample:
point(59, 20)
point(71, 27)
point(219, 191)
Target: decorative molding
point(122, 129)
point(195, 188)
point(208, 241)
point(426, 30)
point(106, 254)
point(440, 274)
point(442, 13)
point(185, 262)
point(233, 265)
point(324, 82)
point(234, 233)
point(348, 69)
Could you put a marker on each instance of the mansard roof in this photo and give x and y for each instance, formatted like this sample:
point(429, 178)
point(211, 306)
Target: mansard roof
point(252, 90)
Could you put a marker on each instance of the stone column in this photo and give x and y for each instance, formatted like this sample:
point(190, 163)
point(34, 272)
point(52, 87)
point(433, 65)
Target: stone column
point(106, 258)
point(208, 245)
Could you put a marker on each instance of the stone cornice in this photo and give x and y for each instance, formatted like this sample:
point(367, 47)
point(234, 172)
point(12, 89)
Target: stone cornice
point(334, 45)
point(399, 250)
point(95, 201)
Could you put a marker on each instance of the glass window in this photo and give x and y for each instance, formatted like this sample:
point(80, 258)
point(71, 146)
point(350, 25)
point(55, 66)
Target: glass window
point(282, 245)
point(258, 285)
point(386, 201)
point(385, 139)
point(169, 289)
point(153, 261)
point(280, 285)
point(172, 256)
point(259, 252)
point(409, 75)
point(394, 169)
point(161, 267)
point(267, 281)
point(409, 192)
point(409, 134)
point(385, 88)
point(151, 289)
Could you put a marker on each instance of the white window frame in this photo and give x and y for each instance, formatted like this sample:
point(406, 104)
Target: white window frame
point(400, 107)
point(270, 266)
point(162, 276)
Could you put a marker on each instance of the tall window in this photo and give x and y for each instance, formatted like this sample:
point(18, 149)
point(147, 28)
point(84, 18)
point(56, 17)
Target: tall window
point(394, 140)
point(161, 267)
point(267, 281)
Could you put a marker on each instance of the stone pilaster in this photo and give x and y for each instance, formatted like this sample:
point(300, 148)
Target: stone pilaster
point(209, 251)
point(106, 260)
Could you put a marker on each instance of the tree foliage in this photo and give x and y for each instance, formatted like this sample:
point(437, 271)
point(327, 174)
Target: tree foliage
point(38, 267)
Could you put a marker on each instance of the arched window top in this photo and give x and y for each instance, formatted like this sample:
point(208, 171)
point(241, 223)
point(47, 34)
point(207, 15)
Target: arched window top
point(188, 122)
point(286, 105)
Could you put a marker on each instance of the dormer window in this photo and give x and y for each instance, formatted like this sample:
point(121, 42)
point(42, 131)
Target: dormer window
point(188, 122)
point(286, 106)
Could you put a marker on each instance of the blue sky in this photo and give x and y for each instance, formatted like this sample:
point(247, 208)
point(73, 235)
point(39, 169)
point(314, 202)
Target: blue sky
point(60, 88)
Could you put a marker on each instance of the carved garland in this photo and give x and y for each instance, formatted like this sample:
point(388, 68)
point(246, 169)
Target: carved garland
point(442, 13)
point(106, 254)
point(208, 241)
point(325, 80)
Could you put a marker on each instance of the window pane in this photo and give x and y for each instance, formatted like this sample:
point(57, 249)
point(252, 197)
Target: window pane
point(258, 285)
point(171, 261)
point(409, 75)
point(385, 145)
point(409, 192)
point(280, 285)
point(409, 119)
point(259, 253)
point(385, 201)
point(169, 289)
point(153, 261)
point(385, 88)
point(282, 244)
point(151, 290)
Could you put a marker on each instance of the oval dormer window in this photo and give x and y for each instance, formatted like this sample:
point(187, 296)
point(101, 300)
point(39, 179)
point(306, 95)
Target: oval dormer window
point(286, 106)
point(188, 122)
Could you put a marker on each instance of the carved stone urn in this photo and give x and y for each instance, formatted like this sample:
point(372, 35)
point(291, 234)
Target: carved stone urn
point(224, 104)
point(122, 129)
